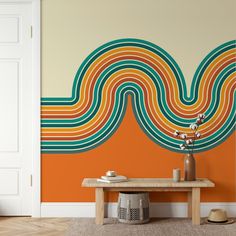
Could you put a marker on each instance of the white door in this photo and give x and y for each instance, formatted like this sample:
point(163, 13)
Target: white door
point(15, 109)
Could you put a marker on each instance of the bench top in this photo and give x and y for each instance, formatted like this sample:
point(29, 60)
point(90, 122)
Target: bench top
point(148, 183)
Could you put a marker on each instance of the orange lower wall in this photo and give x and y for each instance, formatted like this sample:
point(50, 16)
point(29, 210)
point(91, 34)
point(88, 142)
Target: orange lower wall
point(130, 152)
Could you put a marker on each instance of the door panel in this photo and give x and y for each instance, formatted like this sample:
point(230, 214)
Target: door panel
point(12, 186)
point(16, 109)
point(9, 29)
point(9, 91)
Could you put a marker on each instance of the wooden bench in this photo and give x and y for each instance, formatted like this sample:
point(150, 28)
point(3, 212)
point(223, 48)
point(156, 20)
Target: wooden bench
point(151, 185)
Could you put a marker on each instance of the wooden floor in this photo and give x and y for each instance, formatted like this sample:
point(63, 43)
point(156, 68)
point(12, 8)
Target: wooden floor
point(27, 226)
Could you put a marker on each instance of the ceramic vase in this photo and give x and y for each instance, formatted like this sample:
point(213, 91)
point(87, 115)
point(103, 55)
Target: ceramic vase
point(189, 168)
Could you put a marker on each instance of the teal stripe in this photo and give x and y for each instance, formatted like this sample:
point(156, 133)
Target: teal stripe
point(98, 95)
point(138, 102)
point(103, 130)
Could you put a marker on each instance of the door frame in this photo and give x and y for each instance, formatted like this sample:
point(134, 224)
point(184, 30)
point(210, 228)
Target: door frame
point(36, 75)
point(36, 101)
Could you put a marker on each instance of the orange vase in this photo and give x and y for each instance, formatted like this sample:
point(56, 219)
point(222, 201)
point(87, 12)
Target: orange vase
point(189, 168)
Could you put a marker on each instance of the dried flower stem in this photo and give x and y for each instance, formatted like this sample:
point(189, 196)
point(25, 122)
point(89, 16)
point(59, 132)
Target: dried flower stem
point(194, 138)
point(191, 139)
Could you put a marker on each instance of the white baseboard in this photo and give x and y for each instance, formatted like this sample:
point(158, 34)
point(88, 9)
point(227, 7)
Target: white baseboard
point(157, 209)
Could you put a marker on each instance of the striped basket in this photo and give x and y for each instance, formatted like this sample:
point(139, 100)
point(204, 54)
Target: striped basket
point(133, 207)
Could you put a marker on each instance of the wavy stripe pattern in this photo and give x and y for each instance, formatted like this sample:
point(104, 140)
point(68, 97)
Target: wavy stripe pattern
point(147, 73)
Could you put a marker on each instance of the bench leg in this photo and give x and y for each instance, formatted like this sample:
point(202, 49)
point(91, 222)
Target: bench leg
point(190, 204)
point(196, 206)
point(99, 206)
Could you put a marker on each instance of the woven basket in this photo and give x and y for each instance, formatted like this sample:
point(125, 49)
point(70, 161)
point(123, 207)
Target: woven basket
point(133, 207)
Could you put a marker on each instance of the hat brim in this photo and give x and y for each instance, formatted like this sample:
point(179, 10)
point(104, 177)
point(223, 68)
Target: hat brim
point(229, 221)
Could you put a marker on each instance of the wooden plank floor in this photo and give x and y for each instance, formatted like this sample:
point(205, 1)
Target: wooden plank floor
point(27, 226)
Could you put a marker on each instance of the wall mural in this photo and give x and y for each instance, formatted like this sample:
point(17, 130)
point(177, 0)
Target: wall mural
point(159, 98)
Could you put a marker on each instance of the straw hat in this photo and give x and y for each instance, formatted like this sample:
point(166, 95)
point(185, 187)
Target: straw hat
point(218, 216)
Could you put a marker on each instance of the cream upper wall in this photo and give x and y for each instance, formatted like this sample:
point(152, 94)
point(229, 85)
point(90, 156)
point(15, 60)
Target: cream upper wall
point(186, 29)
